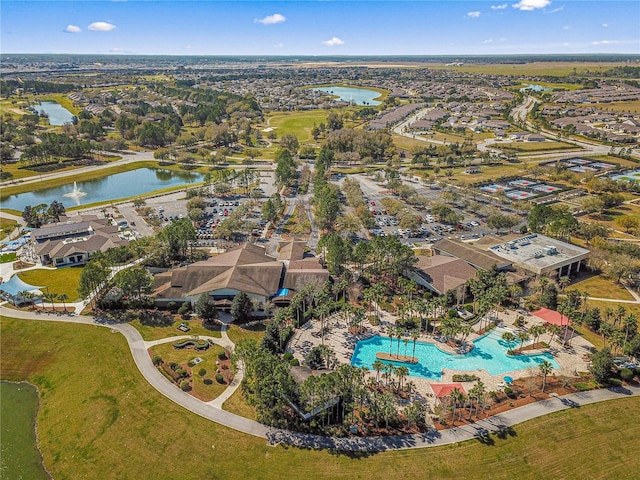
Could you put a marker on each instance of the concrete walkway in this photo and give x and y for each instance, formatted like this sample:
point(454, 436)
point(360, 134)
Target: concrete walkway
point(212, 411)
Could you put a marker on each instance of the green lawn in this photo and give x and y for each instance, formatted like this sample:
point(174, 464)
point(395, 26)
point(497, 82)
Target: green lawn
point(183, 356)
point(298, 123)
point(237, 404)
point(529, 147)
point(99, 419)
point(600, 287)
point(7, 257)
point(20, 455)
point(156, 333)
point(237, 333)
point(59, 281)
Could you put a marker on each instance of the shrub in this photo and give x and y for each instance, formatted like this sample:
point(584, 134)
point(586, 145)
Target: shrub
point(185, 386)
point(374, 320)
point(508, 391)
point(614, 382)
point(191, 364)
point(173, 365)
point(294, 362)
point(465, 377)
point(208, 381)
point(222, 355)
point(157, 360)
point(626, 374)
point(202, 372)
point(219, 378)
point(287, 356)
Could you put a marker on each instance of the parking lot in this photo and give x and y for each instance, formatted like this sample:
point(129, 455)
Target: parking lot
point(430, 231)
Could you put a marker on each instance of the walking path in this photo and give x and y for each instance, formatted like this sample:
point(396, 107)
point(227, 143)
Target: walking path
point(213, 411)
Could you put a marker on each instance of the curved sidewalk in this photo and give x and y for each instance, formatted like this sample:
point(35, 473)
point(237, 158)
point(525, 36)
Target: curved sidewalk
point(213, 412)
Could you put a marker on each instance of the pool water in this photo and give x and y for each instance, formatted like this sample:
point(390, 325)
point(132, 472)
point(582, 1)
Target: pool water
point(489, 353)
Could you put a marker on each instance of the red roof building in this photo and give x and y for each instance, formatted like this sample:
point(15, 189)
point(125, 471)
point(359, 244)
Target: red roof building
point(551, 316)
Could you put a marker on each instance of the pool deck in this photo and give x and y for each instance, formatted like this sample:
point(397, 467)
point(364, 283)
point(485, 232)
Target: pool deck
point(571, 360)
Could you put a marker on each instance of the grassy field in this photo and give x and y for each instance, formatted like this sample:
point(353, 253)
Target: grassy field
point(297, 123)
point(237, 333)
point(108, 423)
point(183, 356)
point(59, 281)
point(529, 147)
point(156, 333)
point(7, 257)
point(237, 404)
point(558, 69)
point(601, 287)
point(20, 456)
point(630, 106)
point(608, 218)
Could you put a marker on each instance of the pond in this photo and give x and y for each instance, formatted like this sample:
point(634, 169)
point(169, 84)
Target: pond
point(58, 115)
point(359, 96)
point(119, 185)
point(489, 353)
point(534, 88)
point(20, 455)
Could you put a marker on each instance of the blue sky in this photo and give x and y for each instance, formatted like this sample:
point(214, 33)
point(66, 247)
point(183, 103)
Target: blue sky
point(388, 27)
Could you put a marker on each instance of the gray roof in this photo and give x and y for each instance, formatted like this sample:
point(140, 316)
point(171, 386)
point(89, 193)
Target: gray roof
point(540, 254)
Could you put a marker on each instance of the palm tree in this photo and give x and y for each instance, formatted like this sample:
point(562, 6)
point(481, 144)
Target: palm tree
point(554, 330)
point(523, 337)
point(391, 332)
point(630, 325)
point(509, 338)
point(405, 340)
point(456, 396)
point(402, 372)
point(63, 297)
point(545, 369)
point(388, 371)
point(399, 334)
point(536, 331)
point(414, 336)
point(378, 366)
point(50, 297)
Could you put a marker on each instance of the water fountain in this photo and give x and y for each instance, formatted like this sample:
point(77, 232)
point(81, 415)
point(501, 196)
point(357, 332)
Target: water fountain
point(76, 193)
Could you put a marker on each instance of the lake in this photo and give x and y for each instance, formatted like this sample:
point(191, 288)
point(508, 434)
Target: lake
point(359, 96)
point(20, 457)
point(534, 88)
point(58, 115)
point(119, 185)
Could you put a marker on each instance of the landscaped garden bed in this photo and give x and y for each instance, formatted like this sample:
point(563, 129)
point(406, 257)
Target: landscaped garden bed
point(202, 374)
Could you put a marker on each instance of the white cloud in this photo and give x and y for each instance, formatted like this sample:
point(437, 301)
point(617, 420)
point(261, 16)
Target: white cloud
point(101, 27)
point(73, 29)
point(333, 42)
point(606, 42)
point(278, 45)
point(605, 25)
point(119, 50)
point(473, 14)
point(271, 19)
point(499, 7)
point(566, 27)
point(556, 10)
point(188, 47)
point(528, 5)
point(491, 40)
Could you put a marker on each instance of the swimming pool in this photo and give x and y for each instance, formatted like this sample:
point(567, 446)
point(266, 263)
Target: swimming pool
point(489, 353)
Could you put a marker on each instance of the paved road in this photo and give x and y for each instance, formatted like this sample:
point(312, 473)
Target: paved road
point(212, 411)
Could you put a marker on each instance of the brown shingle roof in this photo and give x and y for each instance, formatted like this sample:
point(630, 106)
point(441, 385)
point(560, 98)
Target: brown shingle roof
point(444, 273)
point(472, 255)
